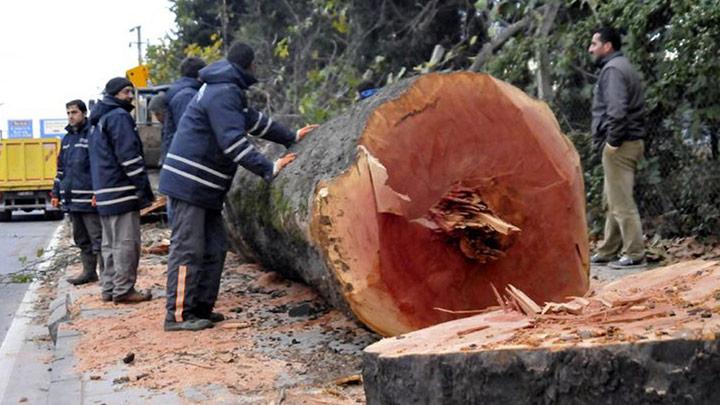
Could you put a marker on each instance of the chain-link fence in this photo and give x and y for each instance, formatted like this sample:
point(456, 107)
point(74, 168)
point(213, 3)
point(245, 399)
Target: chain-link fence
point(677, 184)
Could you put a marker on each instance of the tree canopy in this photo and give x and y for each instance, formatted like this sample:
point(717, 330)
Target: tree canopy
point(312, 54)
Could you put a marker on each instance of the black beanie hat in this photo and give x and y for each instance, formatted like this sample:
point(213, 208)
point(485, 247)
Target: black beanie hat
point(241, 54)
point(116, 84)
point(190, 66)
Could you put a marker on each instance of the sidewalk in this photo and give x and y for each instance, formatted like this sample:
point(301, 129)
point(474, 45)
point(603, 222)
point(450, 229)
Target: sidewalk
point(281, 343)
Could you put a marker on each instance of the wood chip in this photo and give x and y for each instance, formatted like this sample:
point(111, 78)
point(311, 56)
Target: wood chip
point(190, 363)
point(350, 379)
point(158, 203)
point(498, 297)
point(526, 303)
point(472, 330)
point(466, 311)
point(235, 325)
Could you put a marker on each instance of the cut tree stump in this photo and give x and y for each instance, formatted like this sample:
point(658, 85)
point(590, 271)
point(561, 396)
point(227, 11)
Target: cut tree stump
point(651, 337)
point(421, 197)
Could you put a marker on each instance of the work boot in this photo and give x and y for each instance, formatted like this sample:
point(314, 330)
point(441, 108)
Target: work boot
point(88, 275)
point(132, 297)
point(191, 324)
point(213, 317)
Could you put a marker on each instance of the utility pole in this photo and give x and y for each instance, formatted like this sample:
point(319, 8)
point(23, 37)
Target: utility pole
point(224, 22)
point(138, 43)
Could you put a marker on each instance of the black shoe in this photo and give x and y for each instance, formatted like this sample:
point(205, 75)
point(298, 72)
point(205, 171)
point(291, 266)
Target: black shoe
point(192, 324)
point(597, 259)
point(628, 263)
point(106, 297)
point(213, 317)
point(83, 278)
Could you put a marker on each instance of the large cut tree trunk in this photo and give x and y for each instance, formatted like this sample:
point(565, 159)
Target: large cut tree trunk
point(648, 338)
point(422, 197)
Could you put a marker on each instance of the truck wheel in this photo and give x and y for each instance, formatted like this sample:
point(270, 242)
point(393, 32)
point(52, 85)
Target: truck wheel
point(54, 215)
point(5, 216)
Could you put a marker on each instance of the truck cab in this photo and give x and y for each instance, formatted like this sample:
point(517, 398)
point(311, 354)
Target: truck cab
point(27, 171)
point(150, 131)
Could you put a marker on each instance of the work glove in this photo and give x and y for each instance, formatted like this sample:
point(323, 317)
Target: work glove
point(282, 162)
point(302, 132)
point(55, 202)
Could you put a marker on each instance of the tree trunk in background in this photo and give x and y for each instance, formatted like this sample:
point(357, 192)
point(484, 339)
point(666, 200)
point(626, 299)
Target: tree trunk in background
point(544, 81)
point(421, 197)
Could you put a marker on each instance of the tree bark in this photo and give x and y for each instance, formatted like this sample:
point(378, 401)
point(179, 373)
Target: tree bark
point(422, 196)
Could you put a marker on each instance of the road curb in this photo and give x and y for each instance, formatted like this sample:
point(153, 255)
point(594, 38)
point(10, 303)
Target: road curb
point(12, 346)
point(59, 312)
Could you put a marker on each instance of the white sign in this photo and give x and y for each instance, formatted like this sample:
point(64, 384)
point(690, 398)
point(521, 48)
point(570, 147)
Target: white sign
point(54, 127)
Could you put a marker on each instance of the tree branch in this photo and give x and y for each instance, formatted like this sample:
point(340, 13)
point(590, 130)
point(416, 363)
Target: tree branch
point(490, 47)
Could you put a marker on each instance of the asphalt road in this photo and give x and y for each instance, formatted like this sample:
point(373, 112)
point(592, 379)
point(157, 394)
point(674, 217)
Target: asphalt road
point(24, 236)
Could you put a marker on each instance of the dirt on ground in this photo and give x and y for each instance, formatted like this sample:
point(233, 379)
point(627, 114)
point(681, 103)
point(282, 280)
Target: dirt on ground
point(280, 339)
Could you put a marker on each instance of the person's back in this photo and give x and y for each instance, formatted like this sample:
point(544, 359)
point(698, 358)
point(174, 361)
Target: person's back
point(178, 97)
point(210, 141)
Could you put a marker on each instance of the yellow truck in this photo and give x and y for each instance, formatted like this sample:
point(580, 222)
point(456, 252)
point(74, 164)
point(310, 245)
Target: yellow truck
point(27, 171)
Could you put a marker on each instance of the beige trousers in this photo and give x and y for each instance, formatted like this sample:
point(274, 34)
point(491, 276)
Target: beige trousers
point(623, 230)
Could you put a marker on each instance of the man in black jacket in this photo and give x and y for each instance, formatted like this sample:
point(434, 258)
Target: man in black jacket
point(121, 188)
point(73, 188)
point(618, 131)
point(178, 97)
point(208, 146)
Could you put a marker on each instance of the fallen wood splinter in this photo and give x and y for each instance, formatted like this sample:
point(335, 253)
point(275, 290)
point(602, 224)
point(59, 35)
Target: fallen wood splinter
point(498, 297)
point(526, 303)
point(190, 363)
point(158, 203)
point(465, 311)
point(472, 330)
point(350, 379)
point(235, 325)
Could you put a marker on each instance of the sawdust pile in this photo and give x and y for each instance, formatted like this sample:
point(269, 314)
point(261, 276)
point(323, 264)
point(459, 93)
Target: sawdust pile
point(280, 337)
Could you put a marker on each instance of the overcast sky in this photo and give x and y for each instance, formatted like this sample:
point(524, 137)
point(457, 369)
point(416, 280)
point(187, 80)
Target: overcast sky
point(52, 51)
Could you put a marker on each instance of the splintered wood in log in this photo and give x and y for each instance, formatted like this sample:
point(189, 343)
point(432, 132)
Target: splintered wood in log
point(464, 219)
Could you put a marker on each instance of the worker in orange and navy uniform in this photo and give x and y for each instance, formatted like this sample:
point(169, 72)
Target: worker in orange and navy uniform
point(209, 144)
